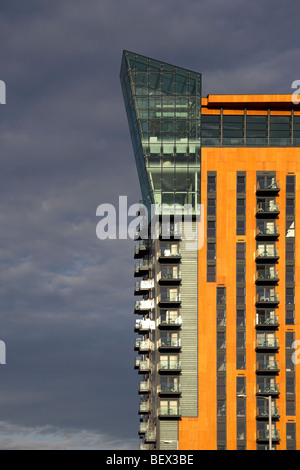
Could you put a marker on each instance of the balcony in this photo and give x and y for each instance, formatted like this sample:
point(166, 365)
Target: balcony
point(169, 322)
point(141, 249)
point(137, 344)
point(169, 275)
point(144, 325)
point(263, 436)
point(169, 344)
point(143, 287)
point(267, 343)
point(169, 366)
point(262, 412)
point(169, 255)
point(266, 276)
point(170, 231)
point(267, 255)
point(169, 389)
point(143, 306)
point(144, 427)
point(150, 436)
point(267, 367)
point(146, 346)
point(145, 367)
point(267, 187)
point(137, 362)
point(267, 321)
point(267, 232)
point(169, 411)
point(144, 446)
point(169, 298)
point(267, 389)
point(267, 209)
point(144, 407)
point(142, 268)
point(144, 387)
point(141, 233)
point(267, 299)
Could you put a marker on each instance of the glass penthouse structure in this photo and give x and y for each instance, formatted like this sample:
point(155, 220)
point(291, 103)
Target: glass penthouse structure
point(216, 321)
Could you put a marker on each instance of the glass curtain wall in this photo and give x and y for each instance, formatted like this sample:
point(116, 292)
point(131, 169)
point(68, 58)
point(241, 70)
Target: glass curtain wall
point(163, 104)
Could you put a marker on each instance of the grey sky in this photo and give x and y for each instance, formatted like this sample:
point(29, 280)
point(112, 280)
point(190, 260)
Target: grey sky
point(66, 298)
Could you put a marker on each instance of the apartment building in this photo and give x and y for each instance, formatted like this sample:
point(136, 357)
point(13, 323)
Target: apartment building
point(217, 320)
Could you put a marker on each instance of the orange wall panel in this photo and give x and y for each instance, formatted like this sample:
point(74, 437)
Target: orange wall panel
point(201, 432)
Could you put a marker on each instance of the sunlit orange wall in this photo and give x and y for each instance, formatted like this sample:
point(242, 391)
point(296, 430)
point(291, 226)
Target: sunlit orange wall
point(200, 432)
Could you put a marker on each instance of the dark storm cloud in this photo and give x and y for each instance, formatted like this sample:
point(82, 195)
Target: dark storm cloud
point(66, 297)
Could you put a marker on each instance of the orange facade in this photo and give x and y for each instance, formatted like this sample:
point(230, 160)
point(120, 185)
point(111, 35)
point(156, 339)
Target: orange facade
point(201, 432)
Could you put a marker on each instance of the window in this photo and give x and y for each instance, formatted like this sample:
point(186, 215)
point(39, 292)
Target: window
point(211, 229)
point(291, 436)
point(211, 184)
point(233, 129)
point(256, 129)
point(210, 129)
point(241, 360)
point(241, 251)
point(211, 226)
point(241, 203)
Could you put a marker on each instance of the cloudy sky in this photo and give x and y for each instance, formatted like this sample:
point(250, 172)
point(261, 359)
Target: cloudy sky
point(66, 298)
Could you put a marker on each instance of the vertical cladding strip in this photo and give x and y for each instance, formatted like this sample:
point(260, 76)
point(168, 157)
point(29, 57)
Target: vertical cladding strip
point(166, 429)
point(290, 374)
point(189, 332)
point(168, 435)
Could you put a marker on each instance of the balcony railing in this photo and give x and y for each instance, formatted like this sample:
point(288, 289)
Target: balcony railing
point(267, 208)
point(144, 427)
point(146, 345)
point(269, 186)
point(144, 305)
point(266, 276)
point(144, 446)
point(144, 386)
point(267, 321)
point(170, 231)
point(143, 287)
point(263, 412)
point(267, 298)
point(267, 389)
point(144, 407)
point(169, 297)
point(170, 411)
point(141, 268)
point(169, 253)
point(169, 275)
point(263, 435)
point(267, 343)
point(141, 248)
point(137, 362)
point(170, 343)
point(170, 365)
point(145, 366)
point(267, 231)
point(169, 388)
point(267, 366)
point(169, 321)
point(269, 253)
point(150, 436)
point(144, 325)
